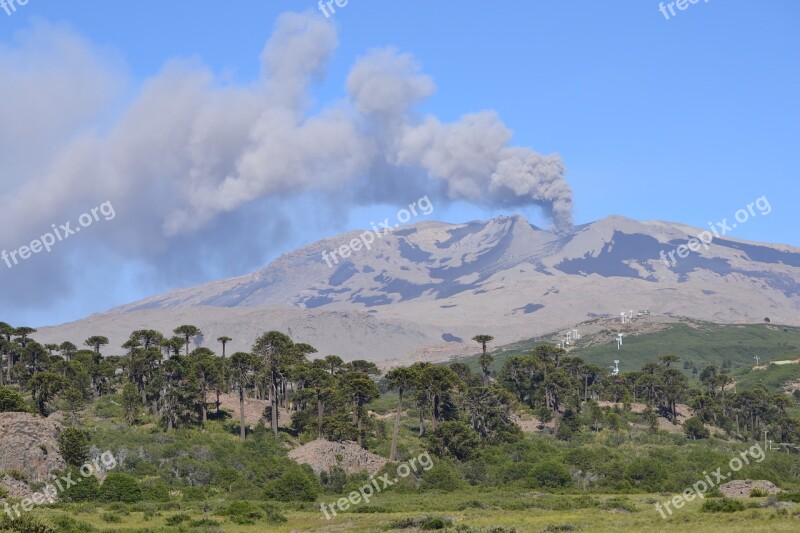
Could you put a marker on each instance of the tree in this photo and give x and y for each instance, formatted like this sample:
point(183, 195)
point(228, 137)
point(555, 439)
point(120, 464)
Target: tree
point(73, 445)
point(74, 400)
point(361, 390)
point(23, 334)
point(485, 359)
point(95, 343)
point(242, 367)
point(119, 487)
point(454, 439)
point(667, 360)
point(68, 350)
point(130, 402)
point(223, 340)
point(334, 364)
point(320, 381)
point(276, 350)
point(401, 379)
point(11, 401)
point(187, 331)
point(45, 386)
point(207, 372)
point(695, 429)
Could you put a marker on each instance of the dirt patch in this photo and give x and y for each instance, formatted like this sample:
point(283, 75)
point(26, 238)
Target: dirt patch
point(253, 410)
point(742, 488)
point(322, 455)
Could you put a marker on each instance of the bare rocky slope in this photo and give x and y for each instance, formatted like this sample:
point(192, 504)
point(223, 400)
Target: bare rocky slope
point(322, 455)
point(28, 444)
point(424, 290)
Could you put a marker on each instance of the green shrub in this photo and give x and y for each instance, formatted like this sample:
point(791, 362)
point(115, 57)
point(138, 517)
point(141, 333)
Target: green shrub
point(793, 497)
point(549, 475)
point(66, 524)
point(73, 446)
point(425, 523)
point(25, 523)
point(177, 519)
point(725, 505)
point(11, 401)
point(119, 487)
point(155, 490)
point(15, 474)
point(295, 484)
point(85, 491)
point(442, 476)
point(759, 493)
point(454, 439)
point(695, 429)
point(113, 518)
point(244, 513)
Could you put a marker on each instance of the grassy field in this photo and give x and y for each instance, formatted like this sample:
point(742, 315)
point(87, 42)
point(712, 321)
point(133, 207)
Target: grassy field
point(696, 342)
point(467, 511)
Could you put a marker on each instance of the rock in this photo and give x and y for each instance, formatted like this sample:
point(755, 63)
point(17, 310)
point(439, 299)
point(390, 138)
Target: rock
point(29, 445)
point(742, 488)
point(322, 455)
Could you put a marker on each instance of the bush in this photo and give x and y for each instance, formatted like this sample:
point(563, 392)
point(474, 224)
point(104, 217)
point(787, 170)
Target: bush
point(295, 484)
point(11, 401)
point(725, 505)
point(113, 518)
point(454, 439)
point(73, 446)
point(793, 497)
point(66, 524)
point(549, 475)
point(246, 513)
point(695, 429)
point(25, 523)
point(120, 487)
point(85, 491)
point(758, 493)
point(177, 519)
point(442, 476)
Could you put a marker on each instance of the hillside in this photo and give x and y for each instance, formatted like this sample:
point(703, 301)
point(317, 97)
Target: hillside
point(421, 291)
point(697, 343)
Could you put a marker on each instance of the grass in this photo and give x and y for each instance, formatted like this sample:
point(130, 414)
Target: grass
point(470, 510)
point(700, 343)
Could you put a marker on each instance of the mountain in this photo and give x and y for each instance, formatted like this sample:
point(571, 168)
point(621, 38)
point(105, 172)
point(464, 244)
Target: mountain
point(424, 290)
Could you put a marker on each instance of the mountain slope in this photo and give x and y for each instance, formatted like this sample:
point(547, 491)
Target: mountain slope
point(446, 282)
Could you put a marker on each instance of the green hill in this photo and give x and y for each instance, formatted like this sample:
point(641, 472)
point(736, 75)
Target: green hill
point(697, 343)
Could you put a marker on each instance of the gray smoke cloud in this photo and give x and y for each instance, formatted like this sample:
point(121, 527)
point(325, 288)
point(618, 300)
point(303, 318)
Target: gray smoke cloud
point(206, 175)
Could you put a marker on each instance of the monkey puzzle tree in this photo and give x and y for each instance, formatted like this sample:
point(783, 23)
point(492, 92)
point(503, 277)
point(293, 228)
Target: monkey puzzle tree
point(276, 350)
point(321, 382)
point(44, 387)
point(242, 369)
point(361, 390)
point(187, 331)
point(68, 350)
point(401, 379)
point(207, 372)
point(485, 359)
point(223, 340)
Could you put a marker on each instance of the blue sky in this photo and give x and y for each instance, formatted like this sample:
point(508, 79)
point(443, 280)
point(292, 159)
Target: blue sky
point(687, 119)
